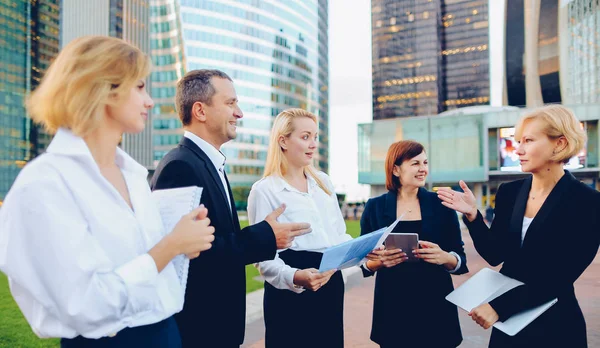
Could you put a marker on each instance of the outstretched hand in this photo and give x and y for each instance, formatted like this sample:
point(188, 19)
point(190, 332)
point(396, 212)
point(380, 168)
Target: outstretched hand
point(463, 202)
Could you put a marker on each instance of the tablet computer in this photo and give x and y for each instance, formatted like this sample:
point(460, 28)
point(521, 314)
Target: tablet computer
point(405, 241)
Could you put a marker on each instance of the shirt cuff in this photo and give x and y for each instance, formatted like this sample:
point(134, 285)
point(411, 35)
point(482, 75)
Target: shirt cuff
point(289, 280)
point(458, 264)
point(139, 276)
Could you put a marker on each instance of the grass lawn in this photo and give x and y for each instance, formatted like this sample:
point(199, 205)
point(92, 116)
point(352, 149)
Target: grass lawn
point(352, 227)
point(15, 332)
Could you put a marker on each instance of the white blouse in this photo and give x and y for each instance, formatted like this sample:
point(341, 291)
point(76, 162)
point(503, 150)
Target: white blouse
point(526, 222)
point(76, 253)
point(316, 207)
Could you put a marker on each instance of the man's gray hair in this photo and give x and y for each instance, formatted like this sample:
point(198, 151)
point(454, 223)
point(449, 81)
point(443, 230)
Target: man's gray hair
point(195, 86)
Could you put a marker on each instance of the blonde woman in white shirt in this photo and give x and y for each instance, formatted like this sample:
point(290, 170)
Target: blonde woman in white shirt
point(80, 238)
point(300, 303)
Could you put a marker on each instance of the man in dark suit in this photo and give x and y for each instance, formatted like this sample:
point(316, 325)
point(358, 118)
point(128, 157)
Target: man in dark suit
point(214, 312)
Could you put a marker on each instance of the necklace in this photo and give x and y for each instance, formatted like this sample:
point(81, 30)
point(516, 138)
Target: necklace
point(539, 195)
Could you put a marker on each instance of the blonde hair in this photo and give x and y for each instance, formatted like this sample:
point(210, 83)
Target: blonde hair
point(558, 122)
point(276, 161)
point(89, 73)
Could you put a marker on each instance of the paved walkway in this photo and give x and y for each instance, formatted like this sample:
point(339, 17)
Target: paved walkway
point(359, 304)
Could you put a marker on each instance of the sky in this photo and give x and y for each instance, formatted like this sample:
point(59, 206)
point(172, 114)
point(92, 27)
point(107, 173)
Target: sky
point(350, 92)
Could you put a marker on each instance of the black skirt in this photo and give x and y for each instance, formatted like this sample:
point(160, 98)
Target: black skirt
point(158, 335)
point(308, 319)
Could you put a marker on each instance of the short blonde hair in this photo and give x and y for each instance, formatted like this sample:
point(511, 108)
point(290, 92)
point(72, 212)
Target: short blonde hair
point(558, 121)
point(276, 161)
point(89, 73)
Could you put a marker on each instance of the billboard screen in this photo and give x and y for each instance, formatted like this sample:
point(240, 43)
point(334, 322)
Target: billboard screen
point(509, 160)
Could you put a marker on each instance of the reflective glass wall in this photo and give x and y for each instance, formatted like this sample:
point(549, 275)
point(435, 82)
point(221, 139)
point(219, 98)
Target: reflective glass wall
point(429, 56)
point(29, 35)
point(276, 53)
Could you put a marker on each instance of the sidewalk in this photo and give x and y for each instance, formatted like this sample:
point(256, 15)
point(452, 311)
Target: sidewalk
point(359, 304)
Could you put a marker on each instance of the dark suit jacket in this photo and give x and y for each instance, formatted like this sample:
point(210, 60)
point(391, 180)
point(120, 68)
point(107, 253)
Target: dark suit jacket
point(409, 296)
point(214, 312)
point(560, 243)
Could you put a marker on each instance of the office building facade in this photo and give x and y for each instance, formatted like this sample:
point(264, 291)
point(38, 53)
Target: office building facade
point(125, 19)
point(581, 29)
point(276, 52)
point(429, 56)
point(29, 40)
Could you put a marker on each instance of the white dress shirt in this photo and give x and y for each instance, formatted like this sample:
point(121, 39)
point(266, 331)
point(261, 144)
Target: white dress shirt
point(76, 253)
point(315, 207)
point(526, 222)
point(216, 157)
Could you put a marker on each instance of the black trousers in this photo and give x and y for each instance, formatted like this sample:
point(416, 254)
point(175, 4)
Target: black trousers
point(158, 335)
point(308, 319)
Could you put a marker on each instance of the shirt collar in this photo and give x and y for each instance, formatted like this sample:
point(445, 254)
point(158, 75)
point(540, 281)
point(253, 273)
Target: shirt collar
point(279, 184)
point(68, 144)
point(216, 156)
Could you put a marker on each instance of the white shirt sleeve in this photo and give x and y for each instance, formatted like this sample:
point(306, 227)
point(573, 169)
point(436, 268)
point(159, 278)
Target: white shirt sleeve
point(457, 264)
point(339, 223)
point(275, 271)
point(48, 252)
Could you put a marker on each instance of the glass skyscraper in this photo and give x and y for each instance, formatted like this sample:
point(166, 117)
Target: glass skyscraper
point(123, 19)
point(429, 56)
point(29, 39)
point(546, 53)
point(583, 31)
point(275, 51)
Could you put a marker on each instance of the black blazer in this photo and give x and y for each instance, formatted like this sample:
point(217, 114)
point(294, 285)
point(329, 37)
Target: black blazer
point(560, 243)
point(427, 284)
point(214, 312)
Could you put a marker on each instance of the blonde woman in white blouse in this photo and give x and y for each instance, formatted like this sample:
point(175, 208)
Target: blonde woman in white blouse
point(300, 303)
point(80, 238)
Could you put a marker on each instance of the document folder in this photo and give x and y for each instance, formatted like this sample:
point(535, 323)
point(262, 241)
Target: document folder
point(352, 252)
point(485, 286)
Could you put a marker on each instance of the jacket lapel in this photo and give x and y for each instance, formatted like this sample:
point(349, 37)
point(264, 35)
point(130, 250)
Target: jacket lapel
point(516, 220)
point(389, 213)
point(427, 221)
point(550, 204)
point(210, 168)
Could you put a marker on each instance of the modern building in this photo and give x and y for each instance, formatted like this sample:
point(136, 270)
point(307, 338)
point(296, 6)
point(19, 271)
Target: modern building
point(474, 144)
point(276, 52)
point(553, 61)
point(429, 56)
point(168, 67)
point(531, 65)
point(29, 39)
point(581, 32)
point(124, 19)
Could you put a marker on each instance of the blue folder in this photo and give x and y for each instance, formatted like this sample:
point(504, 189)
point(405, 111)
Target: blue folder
point(352, 252)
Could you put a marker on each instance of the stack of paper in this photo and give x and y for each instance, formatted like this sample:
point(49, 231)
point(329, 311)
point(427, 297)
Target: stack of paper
point(173, 204)
point(485, 286)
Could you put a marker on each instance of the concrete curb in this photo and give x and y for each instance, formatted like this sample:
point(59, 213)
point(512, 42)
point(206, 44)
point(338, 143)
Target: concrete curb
point(254, 300)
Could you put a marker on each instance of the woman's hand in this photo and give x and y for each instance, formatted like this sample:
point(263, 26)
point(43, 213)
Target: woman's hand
point(379, 258)
point(432, 253)
point(193, 233)
point(463, 202)
point(191, 236)
point(484, 315)
point(311, 279)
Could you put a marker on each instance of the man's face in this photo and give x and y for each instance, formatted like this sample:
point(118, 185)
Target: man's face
point(223, 112)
